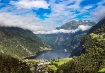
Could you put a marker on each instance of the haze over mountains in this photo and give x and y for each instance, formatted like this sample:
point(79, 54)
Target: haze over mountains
point(70, 27)
point(70, 36)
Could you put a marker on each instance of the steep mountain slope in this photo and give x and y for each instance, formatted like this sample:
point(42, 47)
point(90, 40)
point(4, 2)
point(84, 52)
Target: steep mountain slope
point(67, 40)
point(92, 52)
point(20, 43)
point(97, 29)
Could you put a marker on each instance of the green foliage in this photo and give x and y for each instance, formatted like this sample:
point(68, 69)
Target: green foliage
point(102, 70)
point(9, 64)
point(52, 67)
point(19, 43)
point(92, 59)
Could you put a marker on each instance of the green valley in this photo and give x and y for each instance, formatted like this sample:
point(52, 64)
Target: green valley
point(52, 36)
point(42, 66)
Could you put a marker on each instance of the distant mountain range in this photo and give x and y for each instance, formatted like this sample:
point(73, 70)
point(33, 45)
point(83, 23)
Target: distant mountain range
point(67, 40)
point(20, 43)
point(75, 23)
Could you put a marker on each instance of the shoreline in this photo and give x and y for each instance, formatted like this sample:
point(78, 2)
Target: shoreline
point(38, 53)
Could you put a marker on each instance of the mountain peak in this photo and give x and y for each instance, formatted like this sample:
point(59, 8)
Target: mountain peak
point(75, 23)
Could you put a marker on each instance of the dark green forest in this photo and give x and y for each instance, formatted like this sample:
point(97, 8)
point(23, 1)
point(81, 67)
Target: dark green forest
point(9, 64)
point(92, 56)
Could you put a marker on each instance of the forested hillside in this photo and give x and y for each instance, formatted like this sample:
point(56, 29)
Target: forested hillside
point(9, 64)
point(20, 43)
point(92, 52)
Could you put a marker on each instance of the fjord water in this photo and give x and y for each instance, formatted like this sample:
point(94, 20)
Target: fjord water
point(56, 52)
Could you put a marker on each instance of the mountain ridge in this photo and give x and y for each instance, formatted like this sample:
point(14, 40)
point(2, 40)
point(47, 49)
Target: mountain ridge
point(19, 42)
point(97, 29)
point(91, 53)
point(69, 40)
point(75, 23)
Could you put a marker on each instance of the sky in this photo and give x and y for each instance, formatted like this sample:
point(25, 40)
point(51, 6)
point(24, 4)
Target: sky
point(41, 16)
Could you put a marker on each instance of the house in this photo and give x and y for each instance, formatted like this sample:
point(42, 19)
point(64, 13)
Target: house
point(43, 63)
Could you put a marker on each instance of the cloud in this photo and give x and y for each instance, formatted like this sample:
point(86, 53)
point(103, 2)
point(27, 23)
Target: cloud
point(20, 13)
point(26, 22)
point(29, 4)
point(83, 27)
point(58, 11)
point(86, 9)
point(99, 12)
point(64, 10)
point(32, 23)
point(80, 27)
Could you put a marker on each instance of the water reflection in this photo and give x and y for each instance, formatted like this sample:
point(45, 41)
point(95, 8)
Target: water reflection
point(56, 52)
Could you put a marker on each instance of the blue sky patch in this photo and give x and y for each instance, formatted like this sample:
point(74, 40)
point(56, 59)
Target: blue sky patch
point(45, 15)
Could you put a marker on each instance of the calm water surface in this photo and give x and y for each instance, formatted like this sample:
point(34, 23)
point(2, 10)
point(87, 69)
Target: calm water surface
point(56, 52)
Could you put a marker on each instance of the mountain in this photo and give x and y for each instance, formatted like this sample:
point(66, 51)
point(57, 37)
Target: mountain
point(91, 52)
point(97, 29)
point(75, 23)
point(67, 40)
point(19, 42)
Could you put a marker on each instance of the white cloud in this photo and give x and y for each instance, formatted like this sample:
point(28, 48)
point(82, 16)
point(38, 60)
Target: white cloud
point(64, 11)
point(102, 2)
point(21, 14)
point(83, 27)
point(56, 18)
point(34, 24)
point(80, 27)
point(26, 22)
point(86, 8)
point(29, 4)
point(98, 13)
